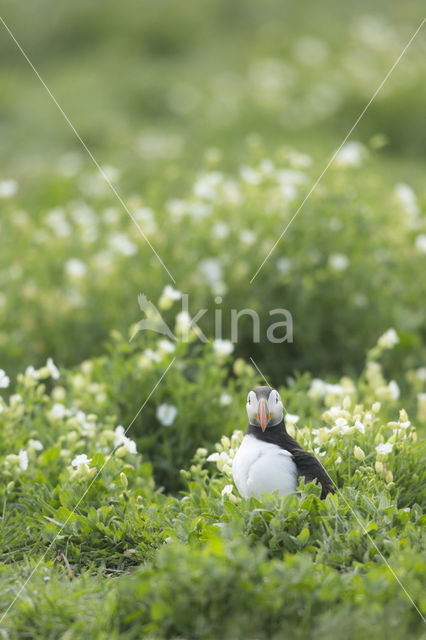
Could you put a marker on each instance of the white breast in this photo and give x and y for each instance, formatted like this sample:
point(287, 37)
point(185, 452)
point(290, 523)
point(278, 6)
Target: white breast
point(263, 467)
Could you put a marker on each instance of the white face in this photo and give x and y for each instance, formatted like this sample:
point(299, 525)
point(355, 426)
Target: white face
point(264, 412)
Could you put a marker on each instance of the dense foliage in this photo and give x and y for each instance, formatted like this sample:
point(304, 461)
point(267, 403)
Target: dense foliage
point(81, 506)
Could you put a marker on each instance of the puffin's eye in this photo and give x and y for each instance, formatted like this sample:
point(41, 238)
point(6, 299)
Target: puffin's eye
point(248, 399)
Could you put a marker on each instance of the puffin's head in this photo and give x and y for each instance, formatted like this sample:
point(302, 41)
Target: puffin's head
point(264, 407)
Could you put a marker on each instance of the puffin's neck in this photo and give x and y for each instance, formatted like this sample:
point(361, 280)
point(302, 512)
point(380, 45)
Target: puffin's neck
point(275, 435)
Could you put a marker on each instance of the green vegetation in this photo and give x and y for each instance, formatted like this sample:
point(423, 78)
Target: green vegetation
point(212, 120)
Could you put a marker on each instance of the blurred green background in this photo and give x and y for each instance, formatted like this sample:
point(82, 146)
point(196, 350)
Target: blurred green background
point(166, 92)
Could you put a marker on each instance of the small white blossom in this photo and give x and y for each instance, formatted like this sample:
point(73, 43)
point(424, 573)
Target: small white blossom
point(338, 261)
point(359, 425)
point(223, 347)
point(211, 270)
point(172, 293)
point(183, 322)
point(351, 154)
point(394, 390)
point(81, 460)
point(75, 268)
point(247, 236)
point(35, 444)
point(420, 242)
point(166, 346)
point(250, 176)
point(389, 339)
point(122, 440)
point(227, 490)
point(58, 411)
point(213, 457)
point(23, 460)
point(384, 448)
point(121, 243)
point(32, 373)
point(292, 418)
point(4, 380)
point(220, 230)
point(53, 369)
point(225, 399)
point(207, 184)
point(8, 188)
point(407, 198)
point(341, 422)
point(284, 265)
point(166, 414)
point(421, 374)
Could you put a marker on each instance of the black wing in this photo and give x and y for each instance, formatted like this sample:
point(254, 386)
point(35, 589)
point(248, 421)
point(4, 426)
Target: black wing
point(311, 469)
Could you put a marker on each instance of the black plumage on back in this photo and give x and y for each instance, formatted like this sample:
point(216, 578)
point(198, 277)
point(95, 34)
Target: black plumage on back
point(307, 464)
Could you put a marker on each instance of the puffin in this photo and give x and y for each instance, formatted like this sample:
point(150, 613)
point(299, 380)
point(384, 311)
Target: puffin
point(269, 458)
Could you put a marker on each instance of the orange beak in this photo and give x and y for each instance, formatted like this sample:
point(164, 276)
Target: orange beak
point(262, 413)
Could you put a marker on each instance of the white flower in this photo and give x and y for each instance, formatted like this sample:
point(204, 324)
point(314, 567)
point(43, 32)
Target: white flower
point(58, 411)
point(220, 230)
point(338, 261)
point(421, 374)
point(341, 422)
point(225, 399)
point(176, 208)
point(317, 388)
point(291, 418)
point(248, 236)
point(4, 380)
point(223, 347)
point(122, 440)
point(8, 188)
point(53, 369)
point(338, 459)
point(166, 346)
point(384, 449)
point(206, 185)
point(227, 490)
point(166, 414)
point(420, 242)
point(359, 425)
point(23, 460)
point(35, 444)
point(152, 355)
point(213, 457)
point(171, 293)
point(394, 390)
point(32, 373)
point(183, 322)
point(250, 176)
point(211, 270)
point(121, 243)
point(81, 460)
point(351, 154)
point(407, 198)
point(389, 339)
point(75, 268)
point(284, 265)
